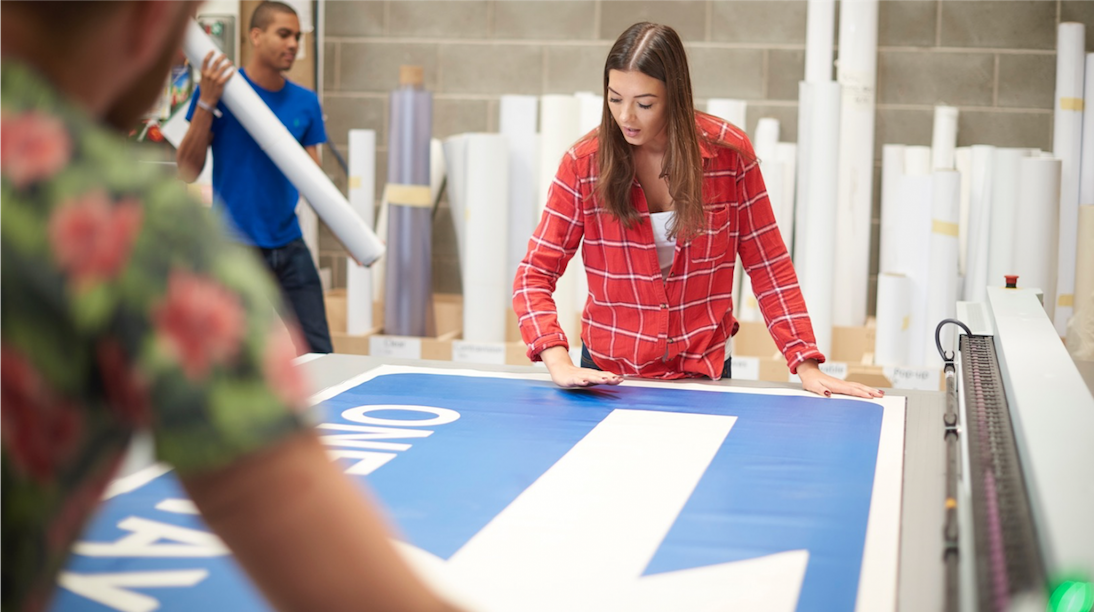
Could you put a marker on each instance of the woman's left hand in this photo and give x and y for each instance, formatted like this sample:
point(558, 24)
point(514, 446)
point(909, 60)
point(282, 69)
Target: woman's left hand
point(822, 384)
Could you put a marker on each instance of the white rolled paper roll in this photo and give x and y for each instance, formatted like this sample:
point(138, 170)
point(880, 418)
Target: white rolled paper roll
point(894, 319)
point(912, 254)
point(787, 154)
point(1086, 159)
point(487, 290)
point(962, 161)
point(1004, 206)
point(1080, 332)
point(942, 262)
point(559, 130)
point(287, 154)
point(944, 138)
point(820, 32)
point(1067, 147)
point(766, 138)
point(819, 246)
point(518, 123)
point(774, 173)
point(732, 111)
point(590, 111)
point(917, 161)
point(801, 190)
point(857, 75)
point(362, 198)
point(979, 222)
point(892, 173)
point(1035, 243)
point(456, 161)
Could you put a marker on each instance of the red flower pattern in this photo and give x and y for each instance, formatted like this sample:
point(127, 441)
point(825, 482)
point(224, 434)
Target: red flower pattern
point(126, 387)
point(287, 381)
point(92, 237)
point(200, 322)
point(33, 146)
point(40, 430)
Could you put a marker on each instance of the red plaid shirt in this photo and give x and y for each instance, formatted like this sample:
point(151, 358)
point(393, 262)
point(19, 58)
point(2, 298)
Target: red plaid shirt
point(636, 323)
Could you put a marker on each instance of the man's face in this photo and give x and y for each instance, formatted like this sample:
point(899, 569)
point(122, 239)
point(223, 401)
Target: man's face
point(277, 45)
point(146, 88)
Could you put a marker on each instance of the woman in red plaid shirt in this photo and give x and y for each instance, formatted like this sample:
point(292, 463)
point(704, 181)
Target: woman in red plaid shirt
point(661, 199)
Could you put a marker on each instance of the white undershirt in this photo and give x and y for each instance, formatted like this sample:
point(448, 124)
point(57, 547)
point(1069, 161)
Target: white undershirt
point(666, 245)
point(666, 248)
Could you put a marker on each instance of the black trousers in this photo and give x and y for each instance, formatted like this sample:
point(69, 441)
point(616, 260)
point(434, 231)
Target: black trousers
point(295, 272)
point(587, 362)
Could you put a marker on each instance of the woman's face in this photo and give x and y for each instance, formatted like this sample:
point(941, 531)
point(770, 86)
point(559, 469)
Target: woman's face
point(638, 104)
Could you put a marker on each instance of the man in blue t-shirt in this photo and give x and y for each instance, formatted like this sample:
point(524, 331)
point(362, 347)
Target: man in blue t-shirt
point(258, 202)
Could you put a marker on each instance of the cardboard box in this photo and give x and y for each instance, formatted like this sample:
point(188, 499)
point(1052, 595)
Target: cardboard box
point(448, 317)
point(755, 357)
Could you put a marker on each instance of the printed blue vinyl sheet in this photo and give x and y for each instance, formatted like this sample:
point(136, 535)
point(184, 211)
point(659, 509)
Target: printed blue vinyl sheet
point(774, 480)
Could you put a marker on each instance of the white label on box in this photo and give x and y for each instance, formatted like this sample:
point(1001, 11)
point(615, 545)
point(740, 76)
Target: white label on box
point(397, 347)
point(746, 368)
point(835, 369)
point(492, 353)
point(920, 379)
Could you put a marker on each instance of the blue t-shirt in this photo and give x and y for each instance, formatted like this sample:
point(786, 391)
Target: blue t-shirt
point(259, 200)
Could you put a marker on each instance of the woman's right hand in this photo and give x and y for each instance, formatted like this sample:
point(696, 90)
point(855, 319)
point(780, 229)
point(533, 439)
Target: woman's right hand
point(566, 375)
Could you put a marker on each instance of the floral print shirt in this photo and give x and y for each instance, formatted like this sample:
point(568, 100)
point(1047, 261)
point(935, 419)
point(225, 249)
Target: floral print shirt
point(122, 307)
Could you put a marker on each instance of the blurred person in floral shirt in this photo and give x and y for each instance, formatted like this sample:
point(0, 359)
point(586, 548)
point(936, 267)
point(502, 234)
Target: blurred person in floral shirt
point(122, 308)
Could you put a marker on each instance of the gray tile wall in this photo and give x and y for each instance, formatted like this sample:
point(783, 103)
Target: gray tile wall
point(994, 60)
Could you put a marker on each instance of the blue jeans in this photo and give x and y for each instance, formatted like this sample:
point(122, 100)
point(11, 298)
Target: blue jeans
point(295, 272)
point(587, 362)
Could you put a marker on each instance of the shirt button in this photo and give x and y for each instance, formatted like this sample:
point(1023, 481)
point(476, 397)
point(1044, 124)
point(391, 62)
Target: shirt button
point(664, 306)
point(671, 340)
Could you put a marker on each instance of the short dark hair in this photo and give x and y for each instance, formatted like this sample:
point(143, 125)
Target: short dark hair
point(264, 14)
point(64, 19)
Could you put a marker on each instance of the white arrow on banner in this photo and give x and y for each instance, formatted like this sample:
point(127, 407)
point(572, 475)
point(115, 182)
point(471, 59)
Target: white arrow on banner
point(580, 537)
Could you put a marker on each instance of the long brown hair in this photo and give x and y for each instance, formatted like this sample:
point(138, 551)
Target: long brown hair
point(656, 51)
